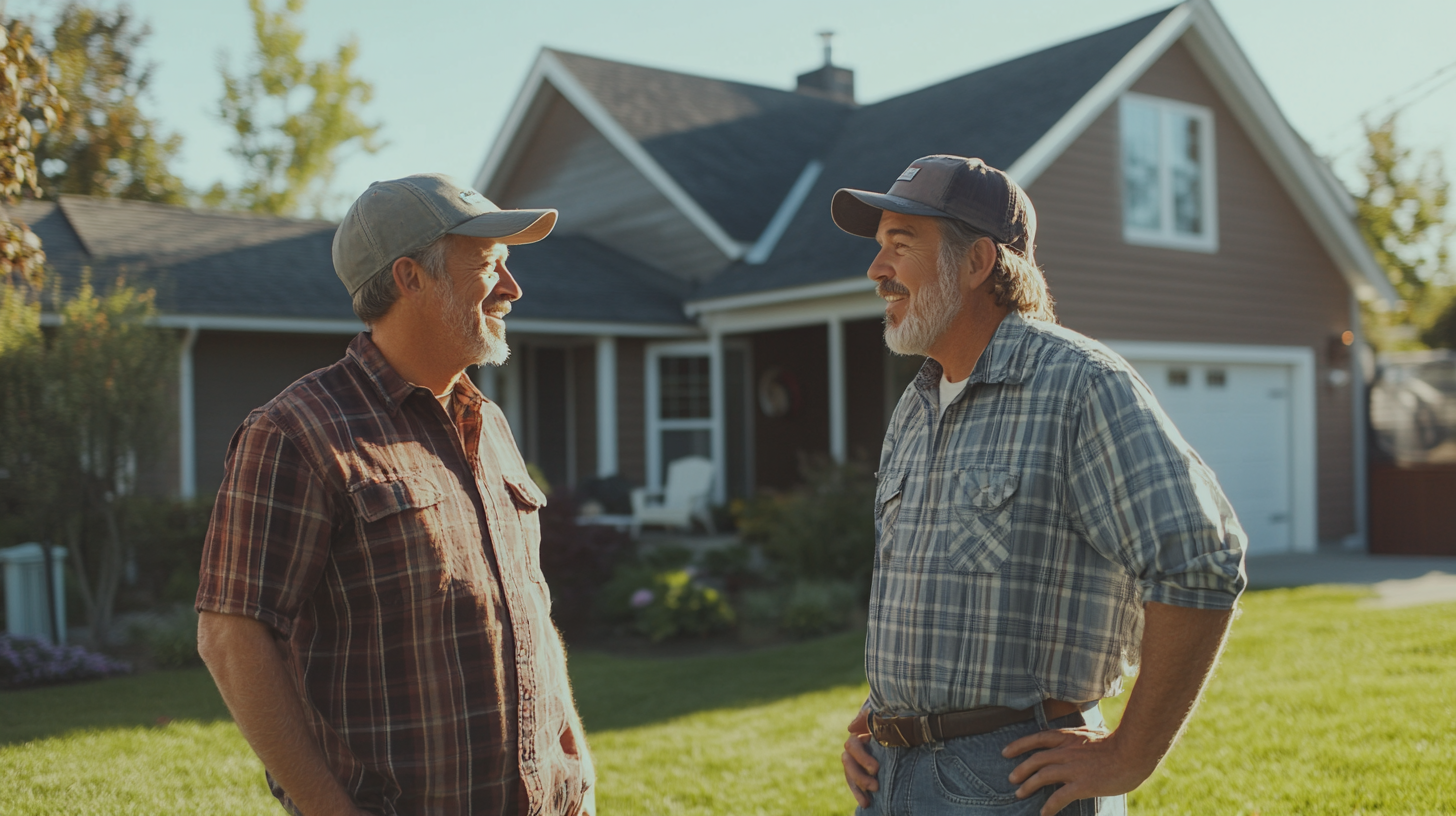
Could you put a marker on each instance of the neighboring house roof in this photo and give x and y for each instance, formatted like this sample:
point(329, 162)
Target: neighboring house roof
point(735, 148)
point(242, 271)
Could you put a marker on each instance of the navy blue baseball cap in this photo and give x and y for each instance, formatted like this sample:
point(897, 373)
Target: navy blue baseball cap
point(942, 186)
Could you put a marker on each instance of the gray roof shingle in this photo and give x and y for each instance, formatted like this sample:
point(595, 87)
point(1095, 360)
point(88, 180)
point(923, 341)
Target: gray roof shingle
point(996, 113)
point(234, 264)
point(735, 148)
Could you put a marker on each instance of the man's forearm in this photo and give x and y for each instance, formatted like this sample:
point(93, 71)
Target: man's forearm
point(1179, 649)
point(251, 675)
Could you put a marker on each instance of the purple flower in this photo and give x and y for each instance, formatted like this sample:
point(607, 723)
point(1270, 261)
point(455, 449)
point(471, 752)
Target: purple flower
point(642, 597)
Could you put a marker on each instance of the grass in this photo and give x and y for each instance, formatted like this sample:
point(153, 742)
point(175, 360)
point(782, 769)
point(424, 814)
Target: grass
point(1320, 706)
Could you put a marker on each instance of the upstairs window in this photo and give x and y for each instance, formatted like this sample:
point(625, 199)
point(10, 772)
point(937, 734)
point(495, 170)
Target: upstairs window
point(1167, 174)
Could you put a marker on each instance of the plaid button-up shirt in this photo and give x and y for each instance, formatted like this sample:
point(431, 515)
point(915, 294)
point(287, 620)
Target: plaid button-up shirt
point(1018, 536)
point(396, 552)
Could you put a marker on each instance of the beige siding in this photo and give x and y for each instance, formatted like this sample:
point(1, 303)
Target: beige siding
point(235, 372)
point(1269, 283)
point(570, 166)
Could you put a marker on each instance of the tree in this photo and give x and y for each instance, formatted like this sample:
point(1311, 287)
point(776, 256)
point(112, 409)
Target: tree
point(104, 145)
point(26, 92)
point(1402, 214)
point(291, 117)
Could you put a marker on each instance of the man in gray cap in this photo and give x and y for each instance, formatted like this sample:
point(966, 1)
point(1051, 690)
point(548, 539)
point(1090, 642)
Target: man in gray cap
point(372, 605)
point(1039, 524)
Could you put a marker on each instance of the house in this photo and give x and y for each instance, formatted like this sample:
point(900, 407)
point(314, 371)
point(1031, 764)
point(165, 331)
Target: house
point(696, 297)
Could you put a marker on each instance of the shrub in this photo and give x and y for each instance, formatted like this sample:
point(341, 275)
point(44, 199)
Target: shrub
point(166, 536)
point(675, 605)
point(822, 530)
point(173, 640)
point(29, 662)
point(819, 607)
point(577, 561)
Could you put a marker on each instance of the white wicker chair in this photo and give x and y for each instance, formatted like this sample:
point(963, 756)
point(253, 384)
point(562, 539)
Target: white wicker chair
point(685, 498)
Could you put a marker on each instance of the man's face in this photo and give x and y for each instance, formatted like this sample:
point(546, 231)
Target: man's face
point(921, 298)
point(475, 297)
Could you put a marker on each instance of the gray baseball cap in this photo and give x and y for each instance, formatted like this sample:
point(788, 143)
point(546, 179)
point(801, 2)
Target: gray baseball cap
point(942, 186)
point(394, 218)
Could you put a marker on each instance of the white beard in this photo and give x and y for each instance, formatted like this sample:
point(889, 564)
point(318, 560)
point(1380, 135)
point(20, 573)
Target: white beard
point(483, 341)
point(928, 317)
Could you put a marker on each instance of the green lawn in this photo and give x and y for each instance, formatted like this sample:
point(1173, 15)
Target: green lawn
point(1320, 707)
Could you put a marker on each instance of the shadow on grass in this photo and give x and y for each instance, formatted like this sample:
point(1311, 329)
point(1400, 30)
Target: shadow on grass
point(619, 692)
point(146, 700)
point(612, 692)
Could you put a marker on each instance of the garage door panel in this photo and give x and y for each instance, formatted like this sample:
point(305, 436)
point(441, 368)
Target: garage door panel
point(1237, 417)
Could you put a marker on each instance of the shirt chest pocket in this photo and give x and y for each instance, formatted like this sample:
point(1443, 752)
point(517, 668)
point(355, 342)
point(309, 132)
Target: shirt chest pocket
point(528, 501)
point(889, 494)
point(980, 531)
point(410, 545)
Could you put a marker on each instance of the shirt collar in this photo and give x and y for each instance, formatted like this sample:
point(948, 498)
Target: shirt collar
point(392, 388)
point(1005, 359)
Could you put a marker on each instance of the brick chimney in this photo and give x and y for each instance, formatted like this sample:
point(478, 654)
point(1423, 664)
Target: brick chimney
point(829, 81)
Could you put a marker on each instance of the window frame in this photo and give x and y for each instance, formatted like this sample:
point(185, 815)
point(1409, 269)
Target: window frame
point(654, 421)
point(1166, 236)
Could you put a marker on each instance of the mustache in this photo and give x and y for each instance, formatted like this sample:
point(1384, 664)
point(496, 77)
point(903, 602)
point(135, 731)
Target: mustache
point(500, 309)
point(891, 287)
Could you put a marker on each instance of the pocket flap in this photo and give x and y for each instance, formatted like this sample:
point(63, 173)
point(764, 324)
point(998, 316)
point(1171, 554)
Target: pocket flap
point(892, 484)
point(526, 493)
point(381, 498)
point(987, 489)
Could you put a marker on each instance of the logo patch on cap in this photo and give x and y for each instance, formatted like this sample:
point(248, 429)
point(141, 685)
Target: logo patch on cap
point(909, 174)
point(471, 197)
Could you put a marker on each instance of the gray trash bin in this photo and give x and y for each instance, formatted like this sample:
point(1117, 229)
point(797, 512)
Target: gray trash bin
point(26, 594)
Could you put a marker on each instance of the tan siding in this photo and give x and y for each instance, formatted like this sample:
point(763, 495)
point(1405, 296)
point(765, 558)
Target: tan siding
point(235, 372)
point(1269, 283)
point(570, 166)
point(631, 412)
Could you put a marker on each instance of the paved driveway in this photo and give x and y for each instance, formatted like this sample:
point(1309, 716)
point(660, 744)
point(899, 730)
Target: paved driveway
point(1398, 580)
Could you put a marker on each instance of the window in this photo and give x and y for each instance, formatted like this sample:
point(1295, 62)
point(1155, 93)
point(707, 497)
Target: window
point(680, 419)
point(1167, 174)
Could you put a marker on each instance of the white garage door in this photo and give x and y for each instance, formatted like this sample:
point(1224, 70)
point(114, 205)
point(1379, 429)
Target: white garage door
point(1238, 418)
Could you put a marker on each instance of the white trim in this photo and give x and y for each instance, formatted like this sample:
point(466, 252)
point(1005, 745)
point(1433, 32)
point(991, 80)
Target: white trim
point(695, 308)
point(521, 111)
point(187, 418)
point(764, 247)
point(838, 433)
point(532, 325)
point(1165, 235)
point(282, 325)
point(553, 71)
point(859, 306)
point(719, 399)
point(654, 425)
point(1303, 426)
point(1080, 116)
point(606, 375)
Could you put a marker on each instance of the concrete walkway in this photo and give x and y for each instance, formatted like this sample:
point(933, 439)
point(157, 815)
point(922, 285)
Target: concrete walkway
point(1398, 580)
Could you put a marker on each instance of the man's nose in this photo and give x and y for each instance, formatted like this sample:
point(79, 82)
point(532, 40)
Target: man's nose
point(506, 288)
point(880, 268)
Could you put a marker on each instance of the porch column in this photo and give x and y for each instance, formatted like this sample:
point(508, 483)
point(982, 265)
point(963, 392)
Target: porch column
point(606, 406)
point(838, 434)
point(720, 446)
point(186, 419)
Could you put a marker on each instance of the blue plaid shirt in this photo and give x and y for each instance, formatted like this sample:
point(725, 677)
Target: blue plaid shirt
point(1018, 536)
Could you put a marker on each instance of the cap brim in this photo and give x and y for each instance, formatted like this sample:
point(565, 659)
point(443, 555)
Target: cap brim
point(857, 212)
point(509, 226)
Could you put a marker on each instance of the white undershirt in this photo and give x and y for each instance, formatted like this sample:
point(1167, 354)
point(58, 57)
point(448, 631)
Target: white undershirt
point(949, 391)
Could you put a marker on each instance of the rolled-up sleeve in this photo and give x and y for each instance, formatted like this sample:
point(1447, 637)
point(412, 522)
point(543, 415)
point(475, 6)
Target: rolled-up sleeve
point(1145, 500)
point(268, 540)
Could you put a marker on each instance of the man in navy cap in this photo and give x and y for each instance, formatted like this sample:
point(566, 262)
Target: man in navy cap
point(1040, 524)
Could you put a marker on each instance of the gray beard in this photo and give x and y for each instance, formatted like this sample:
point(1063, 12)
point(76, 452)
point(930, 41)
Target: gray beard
point(481, 343)
point(929, 316)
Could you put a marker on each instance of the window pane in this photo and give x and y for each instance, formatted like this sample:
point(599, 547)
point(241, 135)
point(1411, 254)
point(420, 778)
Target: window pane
point(684, 393)
point(1141, 196)
point(1187, 172)
point(677, 444)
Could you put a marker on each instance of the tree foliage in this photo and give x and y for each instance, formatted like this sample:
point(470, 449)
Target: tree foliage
point(104, 145)
point(291, 117)
point(26, 93)
point(1403, 216)
point(87, 409)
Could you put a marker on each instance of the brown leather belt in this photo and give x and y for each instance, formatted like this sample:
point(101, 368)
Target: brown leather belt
point(908, 732)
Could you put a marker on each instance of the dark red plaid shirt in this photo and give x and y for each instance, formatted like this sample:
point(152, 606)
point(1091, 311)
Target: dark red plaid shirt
point(397, 554)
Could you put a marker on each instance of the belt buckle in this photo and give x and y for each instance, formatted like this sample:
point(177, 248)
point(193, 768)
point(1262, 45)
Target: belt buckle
point(890, 731)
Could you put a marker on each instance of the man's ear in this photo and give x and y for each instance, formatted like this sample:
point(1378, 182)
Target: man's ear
point(983, 261)
point(409, 277)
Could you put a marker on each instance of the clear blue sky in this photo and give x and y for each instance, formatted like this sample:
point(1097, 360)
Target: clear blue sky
point(446, 71)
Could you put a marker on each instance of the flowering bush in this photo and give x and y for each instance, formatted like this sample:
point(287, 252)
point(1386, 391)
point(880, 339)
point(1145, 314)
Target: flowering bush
point(29, 662)
point(675, 605)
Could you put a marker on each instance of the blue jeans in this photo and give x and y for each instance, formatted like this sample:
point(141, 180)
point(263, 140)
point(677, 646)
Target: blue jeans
point(967, 776)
